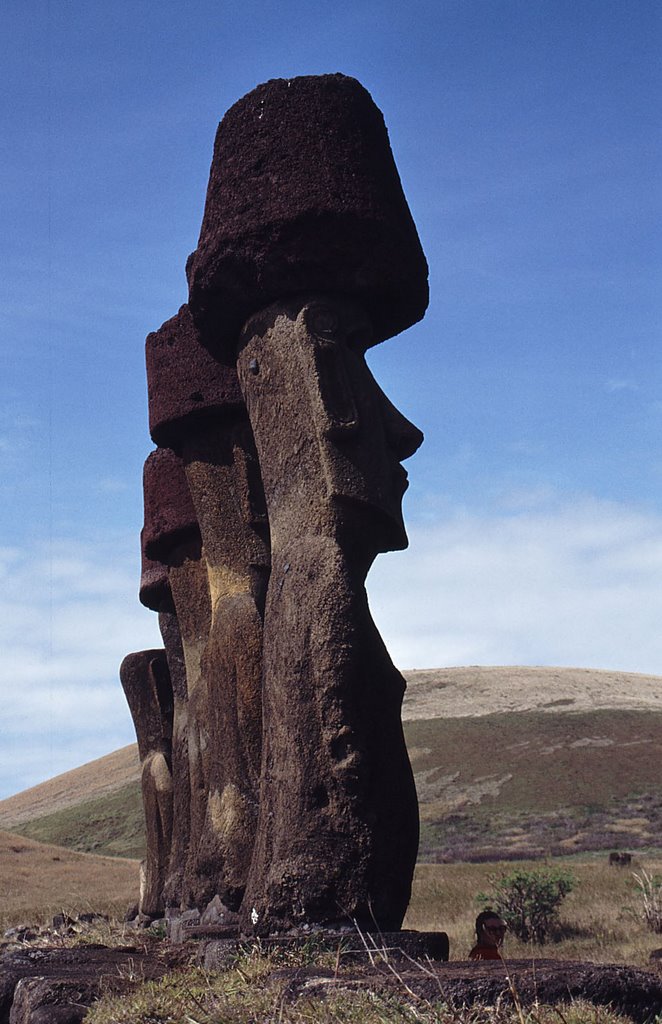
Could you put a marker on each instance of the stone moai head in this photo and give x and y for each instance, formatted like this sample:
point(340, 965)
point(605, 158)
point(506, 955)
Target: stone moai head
point(307, 240)
point(336, 456)
point(187, 388)
point(304, 197)
point(196, 409)
point(307, 256)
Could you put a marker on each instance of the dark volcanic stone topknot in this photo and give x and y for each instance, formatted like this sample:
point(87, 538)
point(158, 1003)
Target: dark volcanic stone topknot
point(170, 518)
point(184, 383)
point(304, 196)
point(154, 590)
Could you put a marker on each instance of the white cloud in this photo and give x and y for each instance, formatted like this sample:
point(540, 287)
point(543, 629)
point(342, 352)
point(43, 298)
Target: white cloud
point(578, 585)
point(550, 584)
point(621, 384)
point(69, 612)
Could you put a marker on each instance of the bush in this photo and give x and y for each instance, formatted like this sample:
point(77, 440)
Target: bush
point(528, 901)
point(650, 891)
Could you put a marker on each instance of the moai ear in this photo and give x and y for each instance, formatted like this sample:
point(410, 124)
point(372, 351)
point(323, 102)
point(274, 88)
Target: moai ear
point(250, 488)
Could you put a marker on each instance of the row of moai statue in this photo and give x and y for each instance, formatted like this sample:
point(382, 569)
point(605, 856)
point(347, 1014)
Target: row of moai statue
point(275, 774)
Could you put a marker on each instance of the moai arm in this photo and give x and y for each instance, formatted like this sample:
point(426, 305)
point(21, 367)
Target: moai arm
point(146, 683)
point(196, 407)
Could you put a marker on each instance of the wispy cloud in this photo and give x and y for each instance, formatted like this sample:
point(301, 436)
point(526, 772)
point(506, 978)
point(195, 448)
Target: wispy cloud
point(575, 584)
point(621, 384)
point(550, 583)
point(69, 612)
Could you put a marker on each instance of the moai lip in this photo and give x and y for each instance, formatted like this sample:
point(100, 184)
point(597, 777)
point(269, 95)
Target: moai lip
point(304, 196)
point(185, 384)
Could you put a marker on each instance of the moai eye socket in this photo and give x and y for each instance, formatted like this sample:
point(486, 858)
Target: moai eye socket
point(323, 321)
point(325, 330)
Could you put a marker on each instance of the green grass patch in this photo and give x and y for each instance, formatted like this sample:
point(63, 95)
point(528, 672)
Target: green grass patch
point(113, 825)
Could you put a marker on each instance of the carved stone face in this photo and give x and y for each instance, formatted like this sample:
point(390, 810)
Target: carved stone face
point(346, 440)
point(363, 438)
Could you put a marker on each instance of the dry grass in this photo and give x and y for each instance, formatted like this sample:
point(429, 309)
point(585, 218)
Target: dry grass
point(39, 880)
point(601, 920)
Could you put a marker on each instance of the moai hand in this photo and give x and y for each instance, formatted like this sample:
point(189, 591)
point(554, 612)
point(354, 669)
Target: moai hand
point(146, 683)
point(308, 241)
point(196, 408)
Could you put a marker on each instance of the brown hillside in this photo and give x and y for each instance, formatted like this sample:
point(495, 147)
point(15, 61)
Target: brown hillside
point(104, 775)
point(38, 880)
point(451, 693)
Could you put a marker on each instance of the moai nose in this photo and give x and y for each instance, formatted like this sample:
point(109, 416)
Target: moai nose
point(403, 436)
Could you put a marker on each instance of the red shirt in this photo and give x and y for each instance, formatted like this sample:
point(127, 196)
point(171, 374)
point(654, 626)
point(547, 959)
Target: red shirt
point(481, 952)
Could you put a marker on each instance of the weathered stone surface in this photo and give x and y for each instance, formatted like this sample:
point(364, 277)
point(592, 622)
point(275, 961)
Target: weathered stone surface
point(146, 683)
point(212, 435)
point(462, 984)
point(304, 195)
point(237, 559)
point(48, 1001)
point(155, 593)
point(154, 590)
point(51, 986)
point(169, 514)
point(171, 535)
point(338, 824)
point(627, 990)
point(181, 801)
point(184, 382)
point(349, 947)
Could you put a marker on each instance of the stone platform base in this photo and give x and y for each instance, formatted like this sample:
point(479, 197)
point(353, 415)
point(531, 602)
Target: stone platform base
point(350, 947)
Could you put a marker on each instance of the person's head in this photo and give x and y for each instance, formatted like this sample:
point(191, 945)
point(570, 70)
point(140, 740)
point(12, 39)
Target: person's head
point(490, 928)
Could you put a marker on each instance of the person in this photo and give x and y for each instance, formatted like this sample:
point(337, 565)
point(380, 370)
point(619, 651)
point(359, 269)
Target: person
point(490, 932)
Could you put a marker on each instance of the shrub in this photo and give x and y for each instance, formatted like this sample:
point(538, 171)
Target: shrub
point(528, 901)
point(650, 892)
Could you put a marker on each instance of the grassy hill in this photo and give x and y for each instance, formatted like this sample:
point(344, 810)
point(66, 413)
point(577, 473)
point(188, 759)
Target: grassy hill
point(509, 763)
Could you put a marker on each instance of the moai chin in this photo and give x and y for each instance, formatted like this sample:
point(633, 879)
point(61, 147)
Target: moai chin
point(308, 242)
point(196, 407)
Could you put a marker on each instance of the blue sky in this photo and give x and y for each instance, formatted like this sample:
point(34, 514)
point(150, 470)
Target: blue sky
point(526, 133)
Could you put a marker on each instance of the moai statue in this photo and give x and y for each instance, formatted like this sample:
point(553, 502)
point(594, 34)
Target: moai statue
point(146, 682)
point(155, 594)
point(171, 536)
point(196, 409)
point(307, 256)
